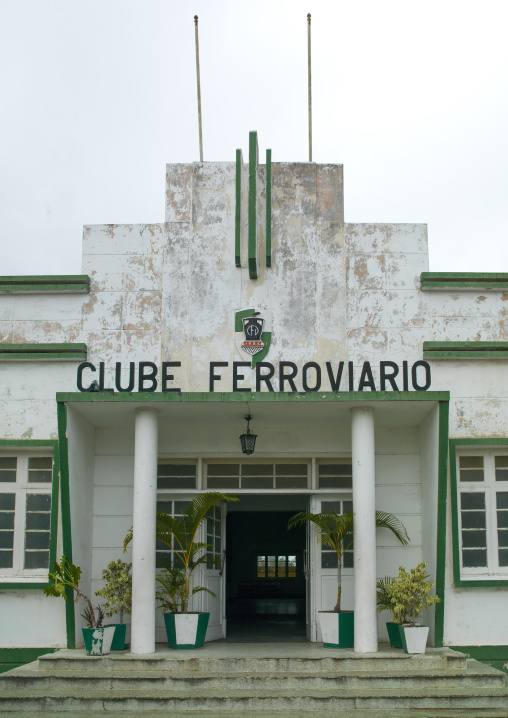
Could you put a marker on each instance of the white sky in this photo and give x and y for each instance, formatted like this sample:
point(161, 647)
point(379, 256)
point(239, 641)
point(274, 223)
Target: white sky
point(97, 95)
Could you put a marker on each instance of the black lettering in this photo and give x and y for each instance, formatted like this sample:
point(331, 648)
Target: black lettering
point(144, 377)
point(335, 379)
point(101, 378)
point(366, 378)
point(239, 377)
point(118, 377)
point(405, 385)
point(287, 376)
point(305, 383)
point(165, 376)
point(264, 377)
point(213, 376)
point(390, 377)
point(414, 375)
point(350, 375)
point(79, 379)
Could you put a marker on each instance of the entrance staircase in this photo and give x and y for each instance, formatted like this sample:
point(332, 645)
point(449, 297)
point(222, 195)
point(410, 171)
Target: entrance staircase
point(292, 680)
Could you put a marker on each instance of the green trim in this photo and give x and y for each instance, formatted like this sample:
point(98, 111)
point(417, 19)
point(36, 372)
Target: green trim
point(268, 208)
point(5, 583)
point(442, 493)
point(254, 397)
point(42, 352)
point(30, 284)
point(464, 280)
point(465, 350)
point(238, 208)
point(15, 657)
point(457, 580)
point(66, 516)
point(253, 224)
point(495, 656)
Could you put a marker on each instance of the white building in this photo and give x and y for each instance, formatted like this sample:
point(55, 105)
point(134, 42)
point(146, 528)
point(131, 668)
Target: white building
point(378, 382)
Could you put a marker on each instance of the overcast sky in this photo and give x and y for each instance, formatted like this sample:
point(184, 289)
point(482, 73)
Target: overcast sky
point(98, 95)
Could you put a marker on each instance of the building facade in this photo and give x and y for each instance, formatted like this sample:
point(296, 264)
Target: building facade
point(372, 383)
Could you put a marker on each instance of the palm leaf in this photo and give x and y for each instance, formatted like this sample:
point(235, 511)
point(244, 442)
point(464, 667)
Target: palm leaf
point(391, 522)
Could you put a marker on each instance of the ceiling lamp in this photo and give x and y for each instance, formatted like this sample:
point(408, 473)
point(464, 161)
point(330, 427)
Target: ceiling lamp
point(248, 439)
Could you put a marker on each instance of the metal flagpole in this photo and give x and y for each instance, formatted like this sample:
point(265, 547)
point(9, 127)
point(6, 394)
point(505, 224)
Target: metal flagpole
point(199, 91)
point(310, 90)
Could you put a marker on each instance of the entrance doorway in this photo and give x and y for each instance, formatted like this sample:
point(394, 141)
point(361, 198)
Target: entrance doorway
point(265, 570)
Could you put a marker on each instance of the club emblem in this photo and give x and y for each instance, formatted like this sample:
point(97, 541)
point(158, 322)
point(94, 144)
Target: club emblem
point(252, 329)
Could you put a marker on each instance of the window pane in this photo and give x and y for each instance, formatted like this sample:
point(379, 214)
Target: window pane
point(37, 559)
point(291, 470)
point(223, 470)
point(257, 470)
point(291, 566)
point(218, 545)
point(6, 520)
point(257, 482)
point(331, 507)
point(473, 519)
point(474, 539)
point(6, 559)
point(502, 499)
point(8, 469)
point(503, 557)
point(348, 560)
point(210, 527)
point(180, 507)
point(40, 469)
point(261, 573)
point(501, 464)
point(271, 566)
point(502, 539)
point(347, 506)
point(472, 501)
point(281, 566)
point(38, 521)
point(474, 558)
point(471, 468)
point(291, 482)
point(218, 514)
point(329, 559)
point(37, 540)
point(166, 507)
point(502, 519)
point(38, 502)
point(216, 482)
point(335, 476)
point(6, 539)
point(7, 502)
point(176, 470)
point(176, 476)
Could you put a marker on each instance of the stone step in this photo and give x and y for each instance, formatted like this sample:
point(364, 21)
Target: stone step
point(29, 677)
point(240, 701)
point(245, 660)
point(443, 713)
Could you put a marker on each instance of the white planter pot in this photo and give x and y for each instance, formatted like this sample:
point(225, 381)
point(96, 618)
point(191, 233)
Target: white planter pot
point(414, 638)
point(337, 629)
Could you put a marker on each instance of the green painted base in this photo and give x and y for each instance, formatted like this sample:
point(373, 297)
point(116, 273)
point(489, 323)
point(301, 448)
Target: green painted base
point(170, 620)
point(15, 657)
point(394, 634)
point(119, 637)
point(346, 623)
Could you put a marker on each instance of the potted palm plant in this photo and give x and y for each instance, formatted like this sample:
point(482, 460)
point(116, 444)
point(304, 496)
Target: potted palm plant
point(384, 603)
point(184, 628)
point(409, 595)
point(67, 576)
point(118, 594)
point(336, 531)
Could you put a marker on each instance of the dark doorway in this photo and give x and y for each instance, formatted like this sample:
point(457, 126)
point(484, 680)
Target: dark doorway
point(265, 590)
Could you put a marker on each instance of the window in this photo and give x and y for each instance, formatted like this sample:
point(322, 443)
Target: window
point(176, 476)
point(335, 476)
point(257, 476)
point(482, 513)
point(25, 514)
point(276, 566)
point(164, 554)
point(328, 555)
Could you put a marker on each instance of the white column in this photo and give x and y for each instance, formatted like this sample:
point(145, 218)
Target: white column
point(364, 506)
point(143, 544)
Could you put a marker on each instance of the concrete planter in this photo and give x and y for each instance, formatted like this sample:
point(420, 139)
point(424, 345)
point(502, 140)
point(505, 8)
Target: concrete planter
point(98, 640)
point(186, 630)
point(337, 629)
point(394, 634)
point(119, 636)
point(414, 638)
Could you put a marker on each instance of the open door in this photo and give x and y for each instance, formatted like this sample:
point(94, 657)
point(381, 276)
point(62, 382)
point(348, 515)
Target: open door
point(310, 557)
point(214, 574)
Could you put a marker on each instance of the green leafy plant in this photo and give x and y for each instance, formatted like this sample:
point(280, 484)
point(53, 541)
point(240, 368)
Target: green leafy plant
point(336, 532)
point(409, 594)
point(383, 599)
point(66, 575)
point(118, 588)
point(180, 535)
point(92, 621)
point(171, 589)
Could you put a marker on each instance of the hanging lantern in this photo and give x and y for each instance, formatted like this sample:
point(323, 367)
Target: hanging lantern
point(248, 439)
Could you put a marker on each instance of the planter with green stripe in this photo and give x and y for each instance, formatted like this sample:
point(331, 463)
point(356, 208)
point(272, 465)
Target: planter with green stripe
point(186, 630)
